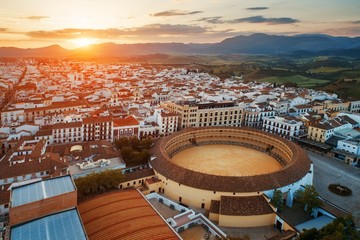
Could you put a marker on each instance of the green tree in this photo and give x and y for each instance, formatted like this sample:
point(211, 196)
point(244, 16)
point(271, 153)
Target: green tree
point(340, 228)
point(309, 198)
point(146, 143)
point(95, 182)
point(126, 152)
point(311, 234)
point(277, 199)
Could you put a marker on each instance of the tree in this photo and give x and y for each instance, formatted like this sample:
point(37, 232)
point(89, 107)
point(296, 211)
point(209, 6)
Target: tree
point(309, 198)
point(277, 199)
point(134, 151)
point(340, 228)
point(310, 234)
point(126, 152)
point(96, 182)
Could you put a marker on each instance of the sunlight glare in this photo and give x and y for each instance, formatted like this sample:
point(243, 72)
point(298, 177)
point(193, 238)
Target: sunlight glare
point(83, 42)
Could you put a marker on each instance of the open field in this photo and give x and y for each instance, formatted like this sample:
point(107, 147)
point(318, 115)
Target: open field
point(226, 160)
point(328, 69)
point(301, 81)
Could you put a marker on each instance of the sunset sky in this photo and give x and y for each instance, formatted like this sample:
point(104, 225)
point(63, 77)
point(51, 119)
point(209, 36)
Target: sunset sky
point(75, 23)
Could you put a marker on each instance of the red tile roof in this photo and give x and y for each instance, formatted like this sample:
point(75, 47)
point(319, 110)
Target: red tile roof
point(123, 215)
point(128, 121)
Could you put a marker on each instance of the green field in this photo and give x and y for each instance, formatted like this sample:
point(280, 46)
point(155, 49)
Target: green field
point(328, 69)
point(301, 81)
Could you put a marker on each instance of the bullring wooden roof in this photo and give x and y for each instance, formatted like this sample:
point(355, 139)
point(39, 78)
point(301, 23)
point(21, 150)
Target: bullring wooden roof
point(292, 172)
point(123, 215)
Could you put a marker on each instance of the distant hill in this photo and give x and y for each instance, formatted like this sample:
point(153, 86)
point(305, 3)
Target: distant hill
point(254, 44)
point(272, 44)
point(50, 51)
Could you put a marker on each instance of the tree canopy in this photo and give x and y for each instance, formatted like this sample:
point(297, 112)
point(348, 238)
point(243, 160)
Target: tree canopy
point(95, 183)
point(134, 151)
point(340, 228)
point(277, 199)
point(309, 198)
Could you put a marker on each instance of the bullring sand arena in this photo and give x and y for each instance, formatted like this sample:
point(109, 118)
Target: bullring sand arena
point(226, 160)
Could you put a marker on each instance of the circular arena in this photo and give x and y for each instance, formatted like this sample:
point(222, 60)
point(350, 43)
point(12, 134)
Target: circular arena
point(294, 163)
point(202, 167)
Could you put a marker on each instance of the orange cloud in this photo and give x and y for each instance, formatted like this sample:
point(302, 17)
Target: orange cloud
point(152, 29)
point(37, 18)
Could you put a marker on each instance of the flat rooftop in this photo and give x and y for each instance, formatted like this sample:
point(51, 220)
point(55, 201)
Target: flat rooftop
point(41, 190)
point(63, 225)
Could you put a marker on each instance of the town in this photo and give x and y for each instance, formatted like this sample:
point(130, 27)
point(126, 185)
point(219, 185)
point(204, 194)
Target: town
point(66, 117)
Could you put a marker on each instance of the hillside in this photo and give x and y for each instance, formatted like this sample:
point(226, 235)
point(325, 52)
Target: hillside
point(253, 44)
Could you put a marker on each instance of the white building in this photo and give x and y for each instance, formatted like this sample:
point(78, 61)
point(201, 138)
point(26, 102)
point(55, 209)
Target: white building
point(350, 146)
point(254, 116)
point(167, 121)
point(354, 106)
point(288, 128)
point(67, 132)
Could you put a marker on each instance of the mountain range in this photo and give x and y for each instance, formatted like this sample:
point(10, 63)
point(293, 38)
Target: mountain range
point(258, 43)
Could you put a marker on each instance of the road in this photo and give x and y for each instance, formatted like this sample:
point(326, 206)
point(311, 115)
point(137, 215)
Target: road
point(329, 170)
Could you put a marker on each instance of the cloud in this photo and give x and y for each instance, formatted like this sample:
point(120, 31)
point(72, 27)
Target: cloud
point(36, 18)
point(254, 19)
point(174, 13)
point(3, 29)
point(152, 29)
point(213, 20)
point(261, 19)
point(168, 29)
point(346, 31)
point(356, 22)
point(257, 8)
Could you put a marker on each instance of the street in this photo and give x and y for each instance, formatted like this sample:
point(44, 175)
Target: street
point(328, 170)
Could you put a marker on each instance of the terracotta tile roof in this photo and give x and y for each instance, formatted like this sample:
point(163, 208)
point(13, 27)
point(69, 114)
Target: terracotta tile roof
point(244, 206)
point(67, 125)
point(139, 174)
point(215, 206)
point(128, 121)
point(123, 215)
point(100, 148)
point(57, 105)
point(49, 162)
point(43, 132)
point(90, 120)
point(33, 162)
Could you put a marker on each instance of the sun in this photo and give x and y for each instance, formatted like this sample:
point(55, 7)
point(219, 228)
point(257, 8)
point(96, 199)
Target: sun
point(83, 42)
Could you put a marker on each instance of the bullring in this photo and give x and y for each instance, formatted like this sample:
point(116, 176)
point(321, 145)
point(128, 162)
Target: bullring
point(202, 189)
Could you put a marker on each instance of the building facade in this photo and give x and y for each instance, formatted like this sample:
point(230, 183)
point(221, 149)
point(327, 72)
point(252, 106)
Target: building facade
point(192, 114)
point(288, 128)
point(98, 128)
